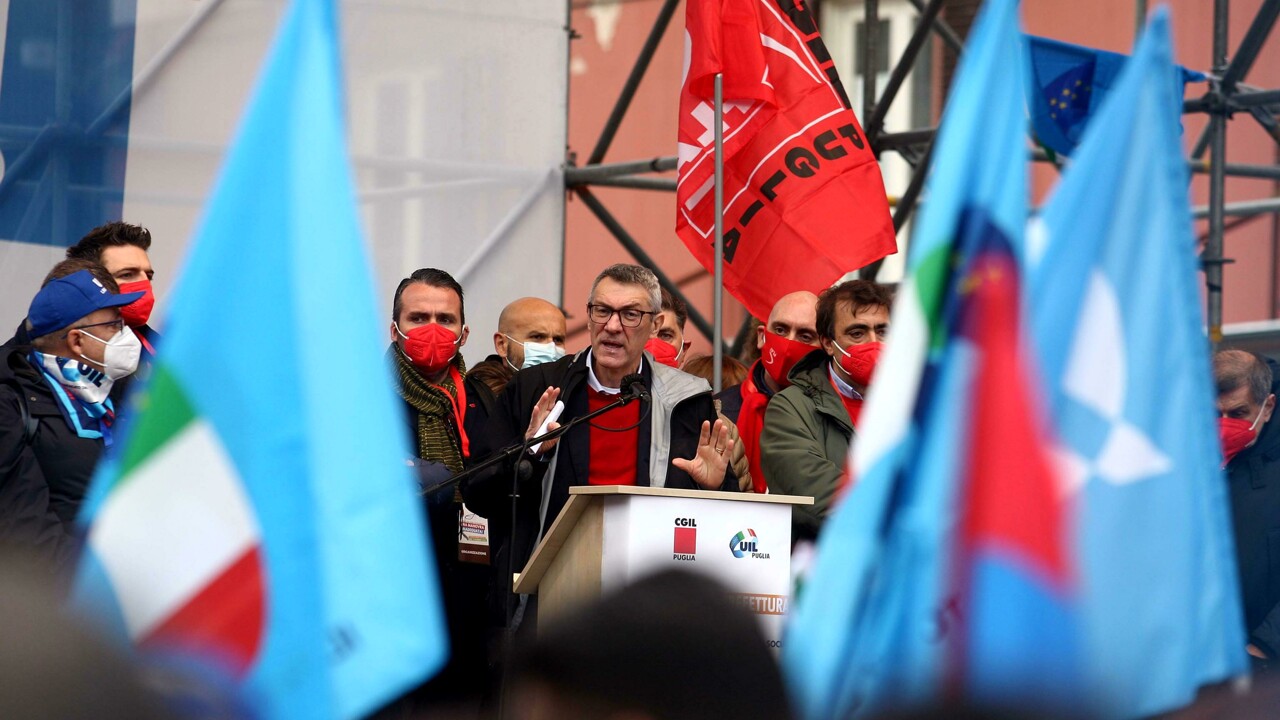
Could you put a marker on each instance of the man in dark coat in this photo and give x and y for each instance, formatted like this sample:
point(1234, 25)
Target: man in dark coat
point(445, 409)
point(56, 414)
point(672, 441)
point(1247, 387)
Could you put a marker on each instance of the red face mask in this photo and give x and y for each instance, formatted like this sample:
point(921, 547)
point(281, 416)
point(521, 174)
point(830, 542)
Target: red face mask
point(430, 347)
point(136, 313)
point(1237, 434)
point(780, 354)
point(663, 352)
point(860, 361)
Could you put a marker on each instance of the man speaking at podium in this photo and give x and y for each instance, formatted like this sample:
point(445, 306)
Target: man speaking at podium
point(671, 440)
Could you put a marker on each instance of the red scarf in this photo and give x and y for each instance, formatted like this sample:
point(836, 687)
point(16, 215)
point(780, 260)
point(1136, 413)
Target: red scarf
point(458, 398)
point(750, 425)
point(853, 406)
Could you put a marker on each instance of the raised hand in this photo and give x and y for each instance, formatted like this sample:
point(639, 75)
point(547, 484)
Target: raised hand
point(708, 465)
point(540, 412)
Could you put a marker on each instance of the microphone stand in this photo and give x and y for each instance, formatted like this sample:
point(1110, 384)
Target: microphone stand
point(521, 470)
point(522, 448)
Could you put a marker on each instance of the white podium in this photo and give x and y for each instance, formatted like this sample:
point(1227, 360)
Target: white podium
point(608, 536)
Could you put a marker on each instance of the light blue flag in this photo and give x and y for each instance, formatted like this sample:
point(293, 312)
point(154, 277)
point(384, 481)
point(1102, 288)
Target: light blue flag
point(870, 628)
point(258, 511)
point(1117, 325)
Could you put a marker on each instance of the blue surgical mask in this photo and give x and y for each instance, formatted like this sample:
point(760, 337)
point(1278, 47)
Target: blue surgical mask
point(536, 353)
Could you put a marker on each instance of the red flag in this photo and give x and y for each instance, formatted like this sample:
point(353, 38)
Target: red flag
point(804, 202)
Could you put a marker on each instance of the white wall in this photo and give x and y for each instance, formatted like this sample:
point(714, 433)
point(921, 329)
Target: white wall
point(456, 111)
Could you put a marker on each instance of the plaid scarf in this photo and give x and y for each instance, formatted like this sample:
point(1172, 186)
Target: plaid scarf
point(438, 439)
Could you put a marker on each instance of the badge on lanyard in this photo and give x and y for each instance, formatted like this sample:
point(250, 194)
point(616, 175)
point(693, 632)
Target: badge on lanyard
point(473, 537)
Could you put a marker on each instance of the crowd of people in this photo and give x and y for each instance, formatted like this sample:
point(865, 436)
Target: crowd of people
point(63, 375)
point(783, 425)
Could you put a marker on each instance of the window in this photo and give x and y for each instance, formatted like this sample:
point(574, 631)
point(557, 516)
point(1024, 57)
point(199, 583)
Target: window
point(882, 46)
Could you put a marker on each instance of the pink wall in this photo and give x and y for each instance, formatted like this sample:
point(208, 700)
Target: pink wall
point(1109, 24)
point(597, 74)
point(649, 130)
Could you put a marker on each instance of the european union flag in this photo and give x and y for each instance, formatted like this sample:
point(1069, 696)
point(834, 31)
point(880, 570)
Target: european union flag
point(1068, 84)
point(258, 512)
point(1117, 325)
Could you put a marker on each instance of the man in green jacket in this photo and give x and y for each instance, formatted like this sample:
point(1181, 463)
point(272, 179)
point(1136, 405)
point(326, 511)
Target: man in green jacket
point(808, 426)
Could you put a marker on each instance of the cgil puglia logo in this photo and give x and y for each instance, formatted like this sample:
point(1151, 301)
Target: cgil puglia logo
point(685, 545)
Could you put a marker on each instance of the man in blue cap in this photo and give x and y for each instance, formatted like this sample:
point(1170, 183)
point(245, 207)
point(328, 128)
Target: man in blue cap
point(56, 415)
point(122, 248)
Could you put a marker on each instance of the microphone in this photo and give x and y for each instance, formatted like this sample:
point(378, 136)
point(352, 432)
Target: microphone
point(633, 385)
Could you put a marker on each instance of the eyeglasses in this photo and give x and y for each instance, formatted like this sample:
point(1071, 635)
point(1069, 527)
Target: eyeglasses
point(629, 317)
point(117, 324)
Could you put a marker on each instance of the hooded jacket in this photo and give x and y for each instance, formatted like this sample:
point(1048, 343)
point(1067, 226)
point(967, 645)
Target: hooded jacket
point(805, 442)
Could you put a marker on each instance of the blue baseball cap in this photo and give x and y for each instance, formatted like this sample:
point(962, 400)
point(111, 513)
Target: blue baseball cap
point(67, 299)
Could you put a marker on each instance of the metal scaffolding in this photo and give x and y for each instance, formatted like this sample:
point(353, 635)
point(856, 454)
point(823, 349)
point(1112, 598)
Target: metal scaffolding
point(1227, 97)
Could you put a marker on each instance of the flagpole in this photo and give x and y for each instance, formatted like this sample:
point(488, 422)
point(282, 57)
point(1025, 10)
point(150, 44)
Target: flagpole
point(717, 302)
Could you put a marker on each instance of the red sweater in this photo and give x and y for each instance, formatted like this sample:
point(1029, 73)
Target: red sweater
point(612, 455)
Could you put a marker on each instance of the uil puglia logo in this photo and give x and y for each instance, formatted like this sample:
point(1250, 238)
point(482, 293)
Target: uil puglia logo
point(746, 544)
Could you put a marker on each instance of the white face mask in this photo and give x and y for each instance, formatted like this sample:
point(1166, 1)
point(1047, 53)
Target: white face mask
point(120, 359)
point(535, 353)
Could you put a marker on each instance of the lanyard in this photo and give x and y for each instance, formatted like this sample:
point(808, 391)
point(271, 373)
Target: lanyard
point(151, 351)
point(458, 398)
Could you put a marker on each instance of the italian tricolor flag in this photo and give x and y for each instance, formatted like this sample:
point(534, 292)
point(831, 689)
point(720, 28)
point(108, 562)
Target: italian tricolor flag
point(177, 537)
point(896, 386)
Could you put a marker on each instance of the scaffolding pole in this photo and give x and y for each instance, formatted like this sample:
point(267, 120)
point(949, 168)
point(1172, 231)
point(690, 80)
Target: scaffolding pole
point(942, 29)
point(875, 120)
point(1213, 259)
point(633, 81)
point(1246, 208)
point(1228, 76)
point(628, 242)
